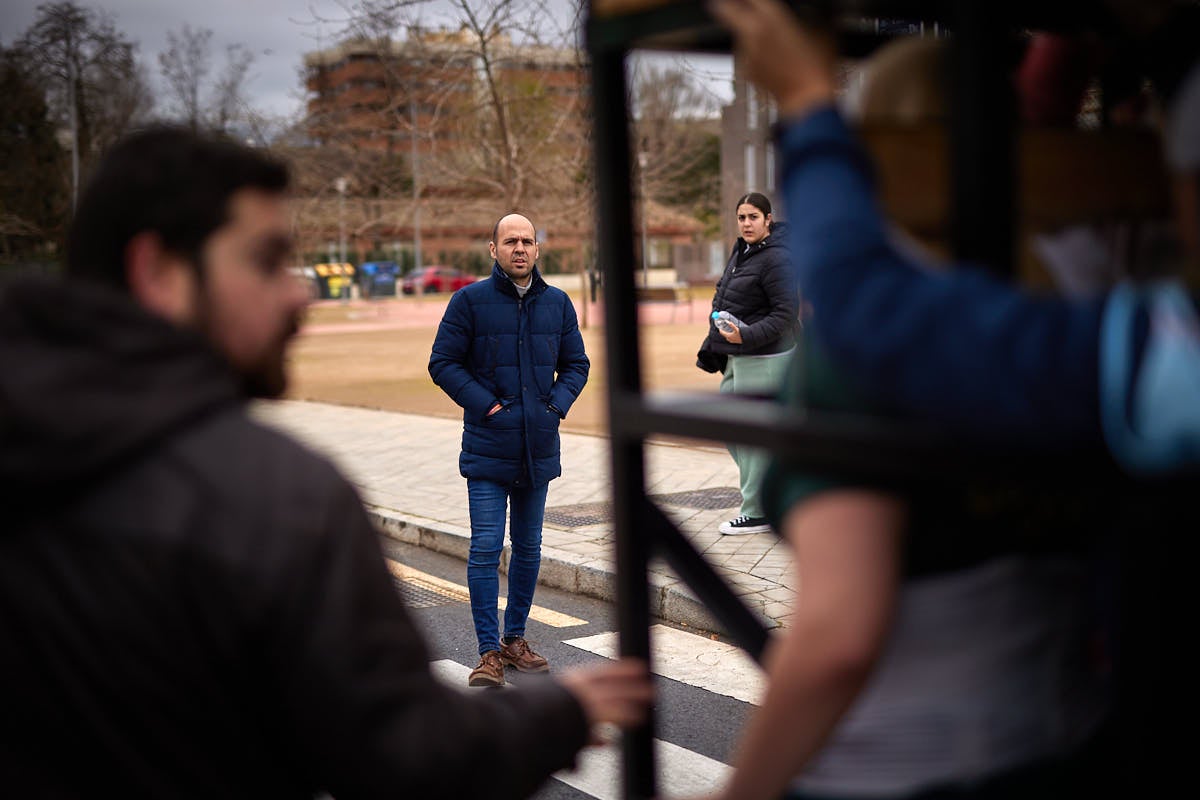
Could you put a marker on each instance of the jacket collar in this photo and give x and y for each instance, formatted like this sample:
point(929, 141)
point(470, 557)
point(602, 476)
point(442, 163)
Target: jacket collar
point(778, 238)
point(502, 283)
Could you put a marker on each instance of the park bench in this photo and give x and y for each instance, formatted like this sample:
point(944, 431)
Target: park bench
point(675, 294)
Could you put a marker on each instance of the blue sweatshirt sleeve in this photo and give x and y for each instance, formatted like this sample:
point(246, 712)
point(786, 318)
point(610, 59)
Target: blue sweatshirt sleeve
point(960, 347)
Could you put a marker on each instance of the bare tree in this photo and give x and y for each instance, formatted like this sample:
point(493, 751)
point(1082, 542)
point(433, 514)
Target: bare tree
point(525, 115)
point(501, 79)
point(33, 197)
point(184, 65)
point(228, 103)
point(676, 138)
point(94, 84)
point(478, 99)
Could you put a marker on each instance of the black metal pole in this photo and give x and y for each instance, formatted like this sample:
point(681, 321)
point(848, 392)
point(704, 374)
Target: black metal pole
point(614, 230)
point(741, 624)
point(982, 149)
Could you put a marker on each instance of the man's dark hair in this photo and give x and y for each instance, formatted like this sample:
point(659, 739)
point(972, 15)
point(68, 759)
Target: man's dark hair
point(168, 181)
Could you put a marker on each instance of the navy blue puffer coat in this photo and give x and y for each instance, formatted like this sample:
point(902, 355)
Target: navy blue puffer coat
point(524, 353)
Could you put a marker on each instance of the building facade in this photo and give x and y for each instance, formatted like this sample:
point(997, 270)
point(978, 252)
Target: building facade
point(430, 138)
point(388, 95)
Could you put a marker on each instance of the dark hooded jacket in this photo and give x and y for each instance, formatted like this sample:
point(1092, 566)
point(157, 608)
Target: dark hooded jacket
point(193, 605)
point(526, 354)
point(759, 288)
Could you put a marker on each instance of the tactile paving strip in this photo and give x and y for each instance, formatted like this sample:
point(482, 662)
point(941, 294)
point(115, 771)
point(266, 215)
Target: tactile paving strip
point(582, 514)
point(419, 594)
point(717, 497)
point(579, 515)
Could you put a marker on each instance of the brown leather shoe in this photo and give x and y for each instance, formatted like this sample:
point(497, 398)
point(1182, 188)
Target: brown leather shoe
point(518, 653)
point(490, 671)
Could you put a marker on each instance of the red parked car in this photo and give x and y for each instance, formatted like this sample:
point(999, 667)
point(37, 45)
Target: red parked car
point(429, 280)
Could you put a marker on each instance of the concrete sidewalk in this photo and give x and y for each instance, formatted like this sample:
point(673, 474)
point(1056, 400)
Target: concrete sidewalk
point(406, 468)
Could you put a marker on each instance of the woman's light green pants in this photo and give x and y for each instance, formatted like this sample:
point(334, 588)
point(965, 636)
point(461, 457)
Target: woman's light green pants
point(762, 375)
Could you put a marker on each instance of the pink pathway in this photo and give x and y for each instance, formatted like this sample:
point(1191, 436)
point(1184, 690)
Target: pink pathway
point(389, 314)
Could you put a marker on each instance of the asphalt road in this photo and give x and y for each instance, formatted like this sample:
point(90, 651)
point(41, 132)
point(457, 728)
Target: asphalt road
point(699, 725)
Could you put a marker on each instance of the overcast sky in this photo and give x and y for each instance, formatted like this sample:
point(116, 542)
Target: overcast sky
point(278, 32)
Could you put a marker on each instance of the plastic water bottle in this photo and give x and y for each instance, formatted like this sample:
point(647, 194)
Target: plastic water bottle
point(725, 321)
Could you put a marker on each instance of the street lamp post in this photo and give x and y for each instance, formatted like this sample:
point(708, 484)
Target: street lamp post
point(416, 180)
point(642, 159)
point(340, 184)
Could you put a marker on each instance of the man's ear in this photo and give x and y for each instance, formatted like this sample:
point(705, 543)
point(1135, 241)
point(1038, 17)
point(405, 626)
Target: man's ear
point(492, 249)
point(160, 281)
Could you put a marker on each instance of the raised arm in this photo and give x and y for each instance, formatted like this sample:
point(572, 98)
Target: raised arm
point(960, 348)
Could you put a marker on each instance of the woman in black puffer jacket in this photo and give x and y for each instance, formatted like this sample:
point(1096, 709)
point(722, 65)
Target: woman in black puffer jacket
point(758, 287)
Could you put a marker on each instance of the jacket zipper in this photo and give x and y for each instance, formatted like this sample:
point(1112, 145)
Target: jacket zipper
point(522, 366)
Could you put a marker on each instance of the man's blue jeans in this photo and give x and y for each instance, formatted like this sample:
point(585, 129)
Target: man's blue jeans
point(487, 502)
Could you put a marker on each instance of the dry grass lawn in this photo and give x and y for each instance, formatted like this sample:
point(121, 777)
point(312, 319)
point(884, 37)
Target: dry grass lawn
point(375, 355)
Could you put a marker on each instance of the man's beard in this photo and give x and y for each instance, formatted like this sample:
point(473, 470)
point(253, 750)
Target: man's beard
point(268, 378)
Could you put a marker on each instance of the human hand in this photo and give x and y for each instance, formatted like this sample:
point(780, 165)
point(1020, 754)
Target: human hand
point(613, 692)
point(494, 409)
point(794, 63)
point(734, 336)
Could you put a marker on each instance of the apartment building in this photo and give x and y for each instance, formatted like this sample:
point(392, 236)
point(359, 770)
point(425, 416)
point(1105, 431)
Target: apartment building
point(476, 121)
point(425, 91)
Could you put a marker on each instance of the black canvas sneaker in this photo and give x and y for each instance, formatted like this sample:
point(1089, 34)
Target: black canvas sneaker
point(743, 524)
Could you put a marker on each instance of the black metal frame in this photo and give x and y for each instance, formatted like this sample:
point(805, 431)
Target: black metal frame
point(983, 196)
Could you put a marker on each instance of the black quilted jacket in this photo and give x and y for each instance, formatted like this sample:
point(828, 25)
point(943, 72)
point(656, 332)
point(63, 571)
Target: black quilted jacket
point(193, 605)
point(759, 288)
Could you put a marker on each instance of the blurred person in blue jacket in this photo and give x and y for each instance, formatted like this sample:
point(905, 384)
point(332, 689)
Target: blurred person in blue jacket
point(1122, 367)
point(848, 686)
point(942, 642)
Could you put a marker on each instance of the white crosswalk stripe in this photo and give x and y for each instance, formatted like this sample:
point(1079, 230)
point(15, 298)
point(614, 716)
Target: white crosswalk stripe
point(598, 769)
point(691, 659)
point(453, 674)
point(682, 773)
